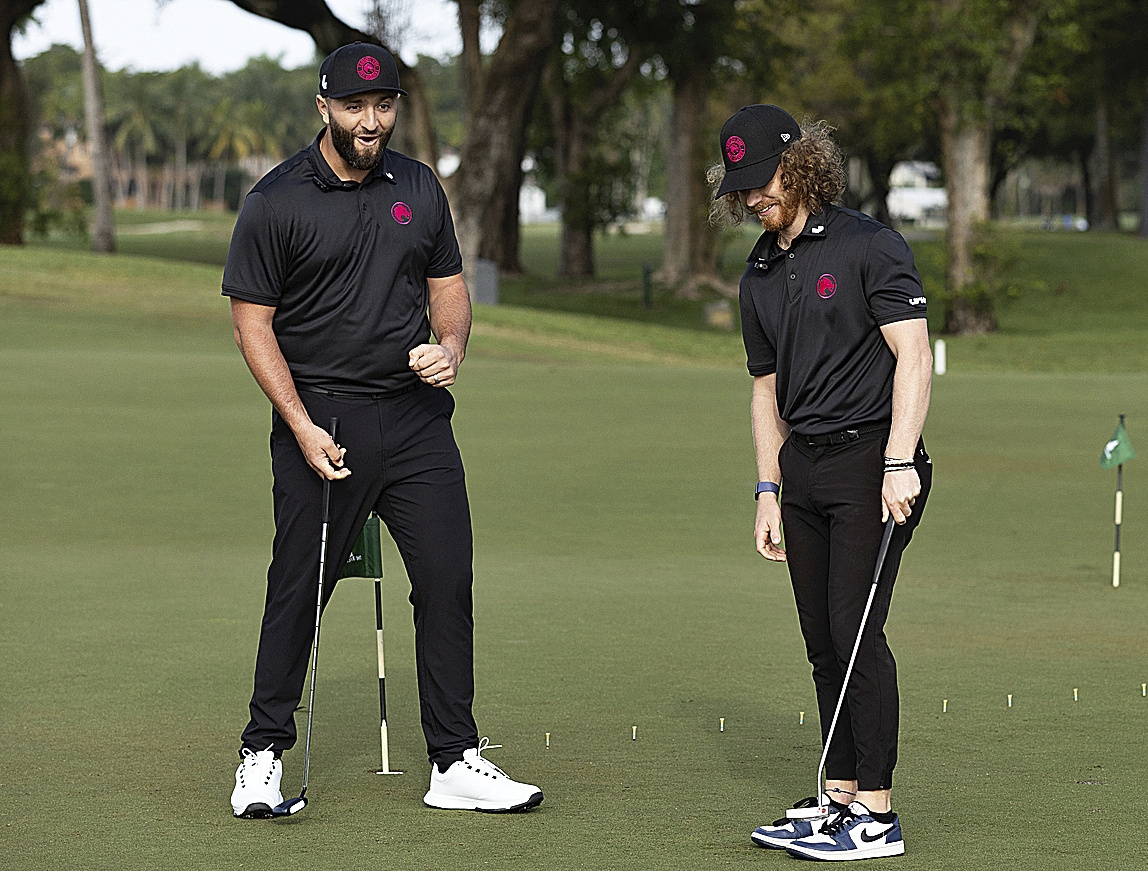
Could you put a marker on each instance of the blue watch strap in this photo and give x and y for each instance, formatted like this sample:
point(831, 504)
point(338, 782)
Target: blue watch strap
point(766, 487)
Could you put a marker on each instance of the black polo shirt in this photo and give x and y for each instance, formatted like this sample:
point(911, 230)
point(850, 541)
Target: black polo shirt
point(345, 265)
point(813, 314)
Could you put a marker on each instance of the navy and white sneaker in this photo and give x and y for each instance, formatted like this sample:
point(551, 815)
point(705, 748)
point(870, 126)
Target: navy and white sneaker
point(794, 826)
point(852, 834)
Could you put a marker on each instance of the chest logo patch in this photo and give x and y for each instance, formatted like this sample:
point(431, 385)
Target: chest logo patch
point(369, 69)
point(826, 286)
point(734, 149)
point(402, 213)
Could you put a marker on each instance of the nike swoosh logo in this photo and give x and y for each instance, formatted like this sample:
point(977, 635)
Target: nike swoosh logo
point(877, 837)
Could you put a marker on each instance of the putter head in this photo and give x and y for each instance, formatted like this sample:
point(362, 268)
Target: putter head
point(387, 771)
point(809, 809)
point(289, 807)
point(816, 812)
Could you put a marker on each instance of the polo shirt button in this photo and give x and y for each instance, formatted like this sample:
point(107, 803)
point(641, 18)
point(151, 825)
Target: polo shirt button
point(791, 255)
point(793, 275)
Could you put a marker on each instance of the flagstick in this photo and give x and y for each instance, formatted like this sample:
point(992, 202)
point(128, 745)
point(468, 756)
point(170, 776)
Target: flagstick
point(1119, 511)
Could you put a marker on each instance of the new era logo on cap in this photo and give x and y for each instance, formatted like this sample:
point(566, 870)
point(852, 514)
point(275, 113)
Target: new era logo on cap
point(356, 69)
point(784, 137)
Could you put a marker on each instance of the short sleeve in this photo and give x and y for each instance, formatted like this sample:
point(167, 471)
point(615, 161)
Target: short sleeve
point(257, 258)
point(761, 356)
point(445, 259)
point(892, 286)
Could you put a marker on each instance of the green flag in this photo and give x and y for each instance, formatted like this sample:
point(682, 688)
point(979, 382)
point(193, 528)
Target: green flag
point(366, 559)
point(1118, 450)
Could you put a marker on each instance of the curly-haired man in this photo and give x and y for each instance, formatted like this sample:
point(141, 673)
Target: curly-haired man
point(833, 319)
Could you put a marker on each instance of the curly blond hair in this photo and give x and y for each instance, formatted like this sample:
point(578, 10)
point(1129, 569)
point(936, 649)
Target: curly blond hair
point(813, 167)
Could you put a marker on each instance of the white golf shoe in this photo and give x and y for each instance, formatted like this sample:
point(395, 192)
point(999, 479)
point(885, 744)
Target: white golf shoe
point(477, 784)
point(257, 785)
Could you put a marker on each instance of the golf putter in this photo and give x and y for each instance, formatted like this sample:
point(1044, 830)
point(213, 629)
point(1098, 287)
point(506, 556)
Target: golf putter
point(817, 810)
point(294, 805)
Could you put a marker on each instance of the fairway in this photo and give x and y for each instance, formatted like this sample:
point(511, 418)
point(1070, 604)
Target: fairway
point(616, 586)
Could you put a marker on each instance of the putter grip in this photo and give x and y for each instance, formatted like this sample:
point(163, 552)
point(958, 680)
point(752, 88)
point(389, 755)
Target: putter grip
point(334, 427)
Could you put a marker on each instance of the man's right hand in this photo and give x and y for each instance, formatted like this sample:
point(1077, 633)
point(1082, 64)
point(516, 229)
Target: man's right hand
point(767, 529)
point(321, 452)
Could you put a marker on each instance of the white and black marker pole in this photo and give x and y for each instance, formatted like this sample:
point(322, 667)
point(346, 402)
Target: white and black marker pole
point(384, 743)
point(1119, 512)
point(294, 805)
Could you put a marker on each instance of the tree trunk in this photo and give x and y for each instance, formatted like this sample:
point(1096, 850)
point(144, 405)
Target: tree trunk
point(470, 63)
point(1082, 159)
point(220, 181)
point(965, 146)
point(575, 125)
point(181, 170)
point(686, 235)
point(13, 128)
point(576, 254)
point(1144, 168)
point(1105, 195)
point(879, 177)
point(141, 176)
point(194, 184)
point(104, 228)
point(486, 185)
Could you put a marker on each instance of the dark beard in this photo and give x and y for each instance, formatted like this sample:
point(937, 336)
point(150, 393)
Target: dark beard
point(347, 148)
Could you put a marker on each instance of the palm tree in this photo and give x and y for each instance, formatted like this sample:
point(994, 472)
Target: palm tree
point(240, 132)
point(132, 115)
point(104, 231)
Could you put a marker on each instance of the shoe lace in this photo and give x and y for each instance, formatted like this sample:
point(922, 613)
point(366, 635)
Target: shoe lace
point(839, 822)
point(485, 744)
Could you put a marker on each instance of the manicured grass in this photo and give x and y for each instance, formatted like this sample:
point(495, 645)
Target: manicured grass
point(609, 466)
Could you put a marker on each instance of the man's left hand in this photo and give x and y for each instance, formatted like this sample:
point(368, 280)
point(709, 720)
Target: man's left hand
point(436, 365)
point(898, 493)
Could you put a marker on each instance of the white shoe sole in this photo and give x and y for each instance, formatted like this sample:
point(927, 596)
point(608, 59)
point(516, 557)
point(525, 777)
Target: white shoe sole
point(459, 803)
point(896, 848)
point(771, 843)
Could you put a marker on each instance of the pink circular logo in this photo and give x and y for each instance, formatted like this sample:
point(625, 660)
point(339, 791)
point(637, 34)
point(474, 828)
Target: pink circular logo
point(369, 68)
point(826, 286)
point(402, 213)
point(734, 149)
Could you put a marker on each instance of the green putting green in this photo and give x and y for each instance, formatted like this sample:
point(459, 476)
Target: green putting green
point(616, 587)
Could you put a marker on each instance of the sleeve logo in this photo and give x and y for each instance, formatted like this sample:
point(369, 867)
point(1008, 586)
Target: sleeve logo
point(402, 213)
point(826, 286)
point(369, 69)
point(917, 300)
point(734, 149)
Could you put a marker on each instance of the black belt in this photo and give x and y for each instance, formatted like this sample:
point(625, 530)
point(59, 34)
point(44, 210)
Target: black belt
point(843, 437)
point(375, 397)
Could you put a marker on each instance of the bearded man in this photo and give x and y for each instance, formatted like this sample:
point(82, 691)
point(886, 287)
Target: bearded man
point(833, 319)
point(343, 262)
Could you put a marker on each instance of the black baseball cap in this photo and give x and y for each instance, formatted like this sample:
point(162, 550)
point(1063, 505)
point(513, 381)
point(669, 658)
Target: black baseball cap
point(356, 69)
point(752, 142)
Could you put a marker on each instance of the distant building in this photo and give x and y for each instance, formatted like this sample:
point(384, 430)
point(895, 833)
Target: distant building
point(914, 195)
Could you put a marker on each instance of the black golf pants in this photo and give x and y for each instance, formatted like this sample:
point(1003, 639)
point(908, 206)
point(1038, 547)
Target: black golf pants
point(831, 514)
point(406, 466)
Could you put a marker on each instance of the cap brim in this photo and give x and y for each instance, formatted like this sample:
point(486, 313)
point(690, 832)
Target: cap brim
point(746, 178)
point(338, 95)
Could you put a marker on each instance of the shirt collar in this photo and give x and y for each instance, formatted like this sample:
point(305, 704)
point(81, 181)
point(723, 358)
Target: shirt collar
point(325, 177)
point(766, 247)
